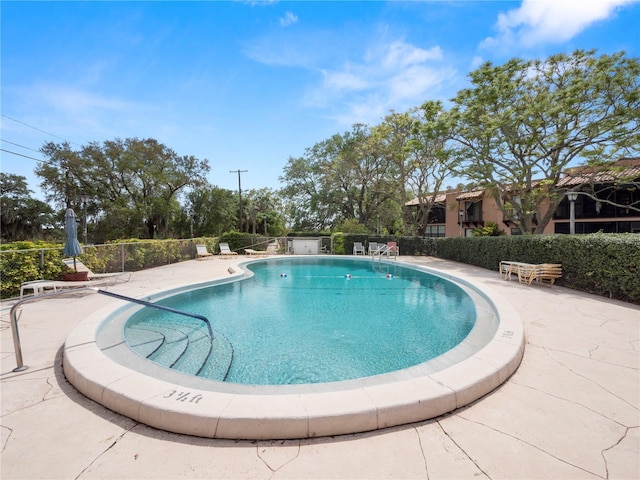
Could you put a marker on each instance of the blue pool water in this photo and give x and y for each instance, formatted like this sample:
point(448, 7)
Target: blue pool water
point(307, 320)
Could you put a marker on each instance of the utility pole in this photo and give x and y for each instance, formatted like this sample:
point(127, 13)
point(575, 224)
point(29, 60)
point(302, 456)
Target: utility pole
point(239, 197)
point(84, 198)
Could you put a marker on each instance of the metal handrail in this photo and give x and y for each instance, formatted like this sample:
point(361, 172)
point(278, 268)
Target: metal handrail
point(171, 310)
point(383, 250)
point(14, 317)
point(17, 346)
point(159, 307)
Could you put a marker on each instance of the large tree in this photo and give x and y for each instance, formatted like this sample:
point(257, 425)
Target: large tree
point(209, 211)
point(523, 123)
point(429, 160)
point(307, 203)
point(21, 216)
point(265, 211)
point(392, 138)
point(345, 177)
point(133, 184)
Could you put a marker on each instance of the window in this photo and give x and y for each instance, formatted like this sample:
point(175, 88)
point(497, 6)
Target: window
point(434, 231)
point(508, 214)
point(473, 211)
point(437, 214)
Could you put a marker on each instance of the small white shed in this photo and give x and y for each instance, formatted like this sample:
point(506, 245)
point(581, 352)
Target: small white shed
point(306, 246)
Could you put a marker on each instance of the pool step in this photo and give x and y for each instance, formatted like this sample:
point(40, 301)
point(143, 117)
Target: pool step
point(216, 367)
point(182, 345)
point(144, 341)
point(176, 343)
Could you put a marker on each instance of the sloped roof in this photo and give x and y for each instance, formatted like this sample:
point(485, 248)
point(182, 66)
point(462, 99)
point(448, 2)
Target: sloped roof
point(470, 195)
point(440, 198)
point(624, 168)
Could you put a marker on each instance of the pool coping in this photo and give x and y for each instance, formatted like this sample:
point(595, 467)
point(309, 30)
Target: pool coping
point(187, 409)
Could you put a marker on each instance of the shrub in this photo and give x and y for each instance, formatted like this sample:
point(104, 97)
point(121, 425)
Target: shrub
point(601, 263)
point(490, 229)
point(338, 242)
point(238, 241)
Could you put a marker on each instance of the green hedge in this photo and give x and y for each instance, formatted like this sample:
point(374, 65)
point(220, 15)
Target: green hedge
point(26, 261)
point(238, 241)
point(601, 263)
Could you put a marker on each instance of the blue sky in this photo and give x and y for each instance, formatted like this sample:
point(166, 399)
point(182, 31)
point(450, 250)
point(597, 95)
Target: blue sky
point(247, 85)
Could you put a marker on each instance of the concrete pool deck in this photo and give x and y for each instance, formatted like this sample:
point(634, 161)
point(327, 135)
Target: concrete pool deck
point(571, 410)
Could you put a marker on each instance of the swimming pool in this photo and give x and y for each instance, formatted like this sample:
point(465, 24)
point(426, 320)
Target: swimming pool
point(100, 365)
point(307, 320)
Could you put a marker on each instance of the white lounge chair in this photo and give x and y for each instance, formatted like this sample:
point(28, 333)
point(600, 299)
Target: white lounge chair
point(202, 252)
point(225, 251)
point(254, 253)
point(373, 247)
point(41, 286)
point(81, 267)
point(272, 248)
point(358, 248)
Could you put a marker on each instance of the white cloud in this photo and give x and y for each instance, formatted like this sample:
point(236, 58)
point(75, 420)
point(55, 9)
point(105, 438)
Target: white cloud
point(74, 100)
point(395, 75)
point(387, 75)
point(549, 21)
point(413, 83)
point(400, 54)
point(476, 62)
point(290, 49)
point(288, 19)
point(344, 80)
point(83, 115)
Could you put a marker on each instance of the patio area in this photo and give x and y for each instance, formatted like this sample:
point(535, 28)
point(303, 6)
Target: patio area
point(571, 410)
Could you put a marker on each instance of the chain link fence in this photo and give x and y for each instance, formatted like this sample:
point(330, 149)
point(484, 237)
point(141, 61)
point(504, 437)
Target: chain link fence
point(17, 266)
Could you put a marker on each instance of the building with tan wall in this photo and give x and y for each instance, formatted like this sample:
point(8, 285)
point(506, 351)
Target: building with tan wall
point(605, 200)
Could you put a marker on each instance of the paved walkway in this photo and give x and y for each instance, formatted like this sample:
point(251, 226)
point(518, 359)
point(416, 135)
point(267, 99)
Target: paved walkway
point(571, 411)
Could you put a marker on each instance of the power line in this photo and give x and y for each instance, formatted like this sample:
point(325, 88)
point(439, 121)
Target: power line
point(21, 146)
point(39, 129)
point(21, 155)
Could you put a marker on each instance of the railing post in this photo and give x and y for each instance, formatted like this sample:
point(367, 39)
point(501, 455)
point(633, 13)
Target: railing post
point(13, 315)
point(17, 346)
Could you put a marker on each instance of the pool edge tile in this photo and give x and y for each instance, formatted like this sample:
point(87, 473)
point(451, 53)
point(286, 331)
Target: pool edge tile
point(262, 417)
point(411, 401)
point(340, 412)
